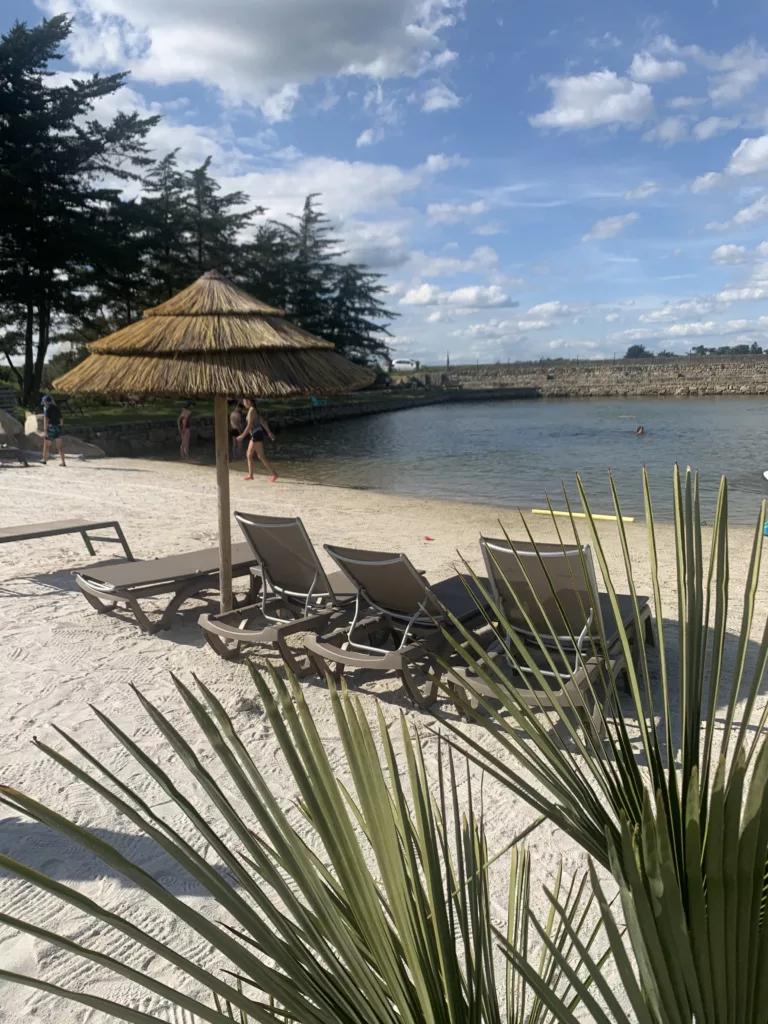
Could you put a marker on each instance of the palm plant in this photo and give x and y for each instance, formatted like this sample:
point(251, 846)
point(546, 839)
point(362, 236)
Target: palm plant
point(364, 906)
point(686, 838)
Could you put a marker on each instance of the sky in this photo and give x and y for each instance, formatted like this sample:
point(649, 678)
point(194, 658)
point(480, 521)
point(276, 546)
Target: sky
point(534, 179)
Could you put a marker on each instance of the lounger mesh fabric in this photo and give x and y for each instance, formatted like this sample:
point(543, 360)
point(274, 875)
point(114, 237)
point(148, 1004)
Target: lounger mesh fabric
point(555, 585)
point(289, 562)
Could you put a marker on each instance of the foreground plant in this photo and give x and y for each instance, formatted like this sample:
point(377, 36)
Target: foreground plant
point(364, 907)
point(686, 836)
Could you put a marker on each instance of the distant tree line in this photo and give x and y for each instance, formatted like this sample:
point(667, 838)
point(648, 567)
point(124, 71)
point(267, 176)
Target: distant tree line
point(79, 259)
point(641, 352)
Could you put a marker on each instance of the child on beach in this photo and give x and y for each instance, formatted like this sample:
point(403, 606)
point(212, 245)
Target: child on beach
point(255, 428)
point(52, 433)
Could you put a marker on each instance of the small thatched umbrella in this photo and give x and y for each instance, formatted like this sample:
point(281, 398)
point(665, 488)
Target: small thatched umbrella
point(214, 340)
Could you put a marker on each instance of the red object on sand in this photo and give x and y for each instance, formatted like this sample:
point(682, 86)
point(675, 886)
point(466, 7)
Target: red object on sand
point(429, 538)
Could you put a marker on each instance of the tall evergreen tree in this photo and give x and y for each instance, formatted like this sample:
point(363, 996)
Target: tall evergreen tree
point(165, 206)
point(215, 223)
point(53, 162)
point(358, 320)
point(315, 252)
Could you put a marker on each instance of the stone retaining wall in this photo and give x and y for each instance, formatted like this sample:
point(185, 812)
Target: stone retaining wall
point(685, 376)
point(136, 438)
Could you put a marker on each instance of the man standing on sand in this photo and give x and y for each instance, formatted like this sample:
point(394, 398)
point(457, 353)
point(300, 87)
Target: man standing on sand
point(185, 429)
point(53, 421)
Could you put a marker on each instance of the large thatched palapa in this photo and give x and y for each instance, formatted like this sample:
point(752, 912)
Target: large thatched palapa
point(214, 340)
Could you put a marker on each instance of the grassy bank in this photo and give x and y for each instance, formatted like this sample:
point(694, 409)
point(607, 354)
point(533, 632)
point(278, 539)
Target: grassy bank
point(96, 416)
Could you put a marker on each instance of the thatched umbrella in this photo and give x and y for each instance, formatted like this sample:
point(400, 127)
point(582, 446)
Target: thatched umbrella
point(214, 340)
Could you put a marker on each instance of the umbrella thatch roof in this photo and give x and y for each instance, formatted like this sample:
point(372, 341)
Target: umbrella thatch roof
point(213, 339)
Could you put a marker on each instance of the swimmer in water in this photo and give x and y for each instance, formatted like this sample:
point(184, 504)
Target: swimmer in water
point(640, 431)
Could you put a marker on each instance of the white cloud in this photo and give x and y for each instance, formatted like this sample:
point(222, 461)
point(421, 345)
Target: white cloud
point(611, 318)
point(672, 312)
point(365, 138)
point(439, 316)
point(491, 228)
point(279, 106)
point(550, 310)
point(706, 181)
point(712, 126)
point(438, 162)
point(748, 215)
point(440, 97)
point(424, 265)
point(749, 157)
point(647, 68)
point(762, 250)
point(732, 87)
point(452, 213)
point(471, 297)
point(667, 132)
point(609, 227)
point(644, 190)
point(381, 245)
point(729, 255)
point(685, 102)
point(348, 188)
point(253, 50)
point(599, 98)
point(755, 288)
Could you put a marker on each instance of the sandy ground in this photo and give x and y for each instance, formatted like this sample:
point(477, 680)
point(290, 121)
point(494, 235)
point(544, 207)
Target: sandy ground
point(57, 655)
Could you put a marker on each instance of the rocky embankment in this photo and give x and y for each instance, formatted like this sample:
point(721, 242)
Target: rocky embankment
point(685, 376)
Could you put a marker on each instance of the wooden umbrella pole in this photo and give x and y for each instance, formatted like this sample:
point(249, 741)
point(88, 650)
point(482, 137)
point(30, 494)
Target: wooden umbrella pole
point(221, 429)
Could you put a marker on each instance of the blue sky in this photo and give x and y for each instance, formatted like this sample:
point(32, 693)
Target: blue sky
point(534, 179)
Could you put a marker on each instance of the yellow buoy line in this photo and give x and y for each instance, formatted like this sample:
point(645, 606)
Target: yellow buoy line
point(579, 515)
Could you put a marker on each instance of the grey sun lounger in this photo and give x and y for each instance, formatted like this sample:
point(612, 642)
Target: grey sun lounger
point(396, 605)
point(297, 595)
point(182, 576)
point(8, 451)
point(553, 588)
point(85, 527)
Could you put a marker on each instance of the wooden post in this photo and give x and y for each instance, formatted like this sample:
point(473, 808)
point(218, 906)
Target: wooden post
point(221, 430)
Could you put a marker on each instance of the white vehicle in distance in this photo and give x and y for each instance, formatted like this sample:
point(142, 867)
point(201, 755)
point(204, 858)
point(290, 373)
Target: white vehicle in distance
point(404, 366)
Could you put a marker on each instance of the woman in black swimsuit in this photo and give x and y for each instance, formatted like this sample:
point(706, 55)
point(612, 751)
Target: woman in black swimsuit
point(255, 428)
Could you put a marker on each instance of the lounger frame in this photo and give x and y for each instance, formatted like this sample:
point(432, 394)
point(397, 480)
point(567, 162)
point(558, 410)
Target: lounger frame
point(33, 531)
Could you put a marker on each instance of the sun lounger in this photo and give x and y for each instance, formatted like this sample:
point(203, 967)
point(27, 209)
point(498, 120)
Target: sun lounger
point(33, 531)
point(183, 576)
point(297, 595)
point(395, 603)
point(555, 592)
point(9, 452)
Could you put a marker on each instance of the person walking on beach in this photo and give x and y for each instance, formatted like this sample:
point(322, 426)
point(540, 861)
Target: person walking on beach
point(185, 429)
point(255, 429)
point(236, 424)
point(54, 421)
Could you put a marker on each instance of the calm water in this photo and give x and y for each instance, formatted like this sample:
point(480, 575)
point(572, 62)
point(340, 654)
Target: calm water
point(513, 453)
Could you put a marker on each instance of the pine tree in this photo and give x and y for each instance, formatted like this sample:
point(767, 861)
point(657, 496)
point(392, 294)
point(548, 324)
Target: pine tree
point(311, 268)
point(53, 159)
point(358, 320)
point(167, 251)
point(215, 223)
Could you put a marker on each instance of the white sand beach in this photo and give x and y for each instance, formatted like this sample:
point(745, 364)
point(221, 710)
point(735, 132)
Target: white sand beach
point(58, 656)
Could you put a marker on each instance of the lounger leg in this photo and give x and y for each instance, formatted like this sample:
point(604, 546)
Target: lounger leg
point(88, 544)
point(650, 638)
point(178, 599)
point(101, 606)
point(413, 679)
point(124, 542)
point(301, 669)
point(145, 624)
point(220, 646)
